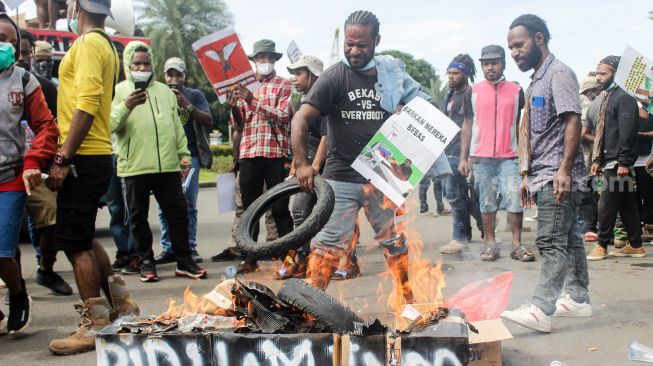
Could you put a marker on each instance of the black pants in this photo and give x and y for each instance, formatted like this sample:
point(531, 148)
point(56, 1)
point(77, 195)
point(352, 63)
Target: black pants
point(167, 191)
point(644, 194)
point(618, 196)
point(253, 173)
point(590, 207)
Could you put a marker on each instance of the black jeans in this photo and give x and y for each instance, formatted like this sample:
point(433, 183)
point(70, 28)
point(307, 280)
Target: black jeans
point(253, 174)
point(590, 207)
point(644, 194)
point(618, 196)
point(167, 191)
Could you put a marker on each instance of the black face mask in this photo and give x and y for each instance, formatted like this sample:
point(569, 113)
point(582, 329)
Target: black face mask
point(42, 69)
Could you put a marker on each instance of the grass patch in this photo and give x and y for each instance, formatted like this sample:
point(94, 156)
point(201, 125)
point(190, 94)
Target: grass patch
point(221, 164)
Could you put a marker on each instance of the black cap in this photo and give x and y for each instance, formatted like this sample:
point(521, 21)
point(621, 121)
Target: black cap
point(492, 52)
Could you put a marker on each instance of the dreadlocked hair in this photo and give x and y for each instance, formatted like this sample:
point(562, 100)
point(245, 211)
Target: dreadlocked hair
point(466, 60)
point(364, 18)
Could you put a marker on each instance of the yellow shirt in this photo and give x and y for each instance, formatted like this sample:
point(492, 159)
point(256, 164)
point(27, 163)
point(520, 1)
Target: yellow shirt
point(86, 79)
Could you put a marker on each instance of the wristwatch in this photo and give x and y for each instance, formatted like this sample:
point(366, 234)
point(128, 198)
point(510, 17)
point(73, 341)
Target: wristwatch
point(190, 108)
point(61, 160)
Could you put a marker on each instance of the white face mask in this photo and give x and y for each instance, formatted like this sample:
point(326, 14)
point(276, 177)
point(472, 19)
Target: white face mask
point(141, 75)
point(264, 69)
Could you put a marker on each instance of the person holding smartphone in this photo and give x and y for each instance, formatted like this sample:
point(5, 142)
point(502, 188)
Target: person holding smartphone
point(151, 146)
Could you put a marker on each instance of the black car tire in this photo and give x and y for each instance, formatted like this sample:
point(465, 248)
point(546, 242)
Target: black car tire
point(313, 223)
point(318, 304)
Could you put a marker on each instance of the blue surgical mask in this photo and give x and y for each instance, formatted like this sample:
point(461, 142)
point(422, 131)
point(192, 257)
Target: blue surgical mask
point(369, 65)
point(73, 25)
point(7, 55)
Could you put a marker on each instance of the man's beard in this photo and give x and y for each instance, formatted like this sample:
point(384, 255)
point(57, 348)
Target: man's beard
point(532, 59)
point(365, 62)
point(607, 84)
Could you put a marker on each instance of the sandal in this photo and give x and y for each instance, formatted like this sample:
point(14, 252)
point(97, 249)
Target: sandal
point(490, 254)
point(522, 254)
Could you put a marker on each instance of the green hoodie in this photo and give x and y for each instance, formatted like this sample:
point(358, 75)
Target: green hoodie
point(150, 138)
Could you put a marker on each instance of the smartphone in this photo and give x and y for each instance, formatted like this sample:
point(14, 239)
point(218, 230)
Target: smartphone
point(140, 85)
point(173, 86)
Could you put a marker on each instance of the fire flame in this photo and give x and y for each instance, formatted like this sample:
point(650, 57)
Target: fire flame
point(426, 278)
point(192, 304)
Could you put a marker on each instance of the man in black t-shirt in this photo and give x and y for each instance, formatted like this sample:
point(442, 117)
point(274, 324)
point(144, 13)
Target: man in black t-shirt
point(349, 94)
point(458, 107)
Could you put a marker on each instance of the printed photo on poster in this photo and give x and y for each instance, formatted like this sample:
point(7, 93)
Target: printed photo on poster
point(401, 152)
point(225, 62)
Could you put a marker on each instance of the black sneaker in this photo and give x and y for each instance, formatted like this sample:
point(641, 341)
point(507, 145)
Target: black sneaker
point(186, 267)
point(54, 282)
point(196, 257)
point(120, 263)
point(20, 312)
point(3, 322)
point(148, 271)
point(165, 257)
point(133, 268)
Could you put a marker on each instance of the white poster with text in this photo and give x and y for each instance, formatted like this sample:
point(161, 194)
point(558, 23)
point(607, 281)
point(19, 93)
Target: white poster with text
point(403, 150)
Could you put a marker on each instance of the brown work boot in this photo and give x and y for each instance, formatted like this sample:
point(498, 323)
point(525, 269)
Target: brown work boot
point(321, 264)
point(399, 268)
point(123, 304)
point(95, 316)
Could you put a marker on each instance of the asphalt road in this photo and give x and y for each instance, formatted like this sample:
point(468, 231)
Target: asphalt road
point(621, 294)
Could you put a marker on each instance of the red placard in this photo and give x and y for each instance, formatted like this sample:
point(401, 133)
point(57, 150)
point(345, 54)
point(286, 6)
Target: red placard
point(224, 61)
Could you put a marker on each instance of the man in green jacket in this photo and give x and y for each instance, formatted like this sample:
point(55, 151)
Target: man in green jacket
point(151, 145)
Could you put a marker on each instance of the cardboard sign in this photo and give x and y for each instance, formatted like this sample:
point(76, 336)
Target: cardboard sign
point(225, 62)
point(634, 74)
point(403, 150)
point(293, 52)
point(226, 186)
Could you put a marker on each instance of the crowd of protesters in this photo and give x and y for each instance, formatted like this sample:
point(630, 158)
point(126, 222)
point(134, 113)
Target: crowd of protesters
point(580, 153)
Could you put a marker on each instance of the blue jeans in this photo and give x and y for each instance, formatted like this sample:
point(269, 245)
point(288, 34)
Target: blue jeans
point(560, 242)
point(191, 198)
point(380, 212)
point(11, 221)
point(118, 222)
point(497, 176)
point(462, 205)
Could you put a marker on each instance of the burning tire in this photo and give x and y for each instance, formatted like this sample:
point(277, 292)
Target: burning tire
point(318, 304)
point(294, 239)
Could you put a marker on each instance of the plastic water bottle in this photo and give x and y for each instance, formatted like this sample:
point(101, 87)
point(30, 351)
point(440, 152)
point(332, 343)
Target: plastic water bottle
point(231, 272)
point(640, 352)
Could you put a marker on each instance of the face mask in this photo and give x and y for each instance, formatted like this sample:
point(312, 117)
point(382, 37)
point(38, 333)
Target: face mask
point(42, 69)
point(141, 75)
point(7, 55)
point(264, 69)
point(141, 79)
point(369, 65)
point(73, 25)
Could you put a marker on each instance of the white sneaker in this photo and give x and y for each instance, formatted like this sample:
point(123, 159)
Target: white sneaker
point(453, 247)
point(565, 306)
point(528, 316)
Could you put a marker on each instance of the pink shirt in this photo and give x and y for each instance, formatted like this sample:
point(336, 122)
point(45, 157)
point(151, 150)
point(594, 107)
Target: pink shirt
point(496, 118)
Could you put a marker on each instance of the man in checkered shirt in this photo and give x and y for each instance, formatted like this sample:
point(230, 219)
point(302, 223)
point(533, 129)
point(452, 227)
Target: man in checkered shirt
point(264, 117)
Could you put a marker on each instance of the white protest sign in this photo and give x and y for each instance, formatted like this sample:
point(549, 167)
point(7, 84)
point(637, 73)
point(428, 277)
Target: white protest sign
point(226, 185)
point(404, 149)
point(293, 52)
point(634, 74)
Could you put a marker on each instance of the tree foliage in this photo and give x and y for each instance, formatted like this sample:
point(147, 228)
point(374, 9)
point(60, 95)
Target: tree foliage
point(173, 26)
point(423, 72)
